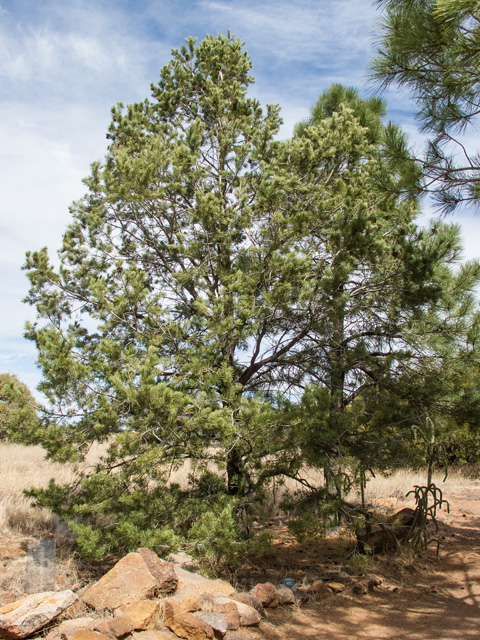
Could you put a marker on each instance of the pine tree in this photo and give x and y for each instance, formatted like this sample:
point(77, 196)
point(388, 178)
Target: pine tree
point(431, 48)
point(210, 274)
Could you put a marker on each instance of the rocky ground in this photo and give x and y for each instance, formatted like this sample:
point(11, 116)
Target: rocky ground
point(331, 599)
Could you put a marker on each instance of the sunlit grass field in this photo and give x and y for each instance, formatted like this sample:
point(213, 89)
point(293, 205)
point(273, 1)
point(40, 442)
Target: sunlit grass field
point(24, 467)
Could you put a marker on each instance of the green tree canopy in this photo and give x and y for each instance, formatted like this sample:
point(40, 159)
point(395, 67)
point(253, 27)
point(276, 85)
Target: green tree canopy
point(210, 275)
point(431, 48)
point(18, 413)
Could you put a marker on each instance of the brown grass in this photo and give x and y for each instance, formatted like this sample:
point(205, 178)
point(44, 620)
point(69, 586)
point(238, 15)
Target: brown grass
point(24, 467)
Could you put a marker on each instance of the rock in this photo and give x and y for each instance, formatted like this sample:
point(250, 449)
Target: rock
point(70, 625)
point(236, 635)
point(202, 584)
point(252, 601)
point(163, 572)
point(218, 622)
point(248, 615)
point(266, 593)
point(119, 626)
point(230, 611)
point(143, 614)
point(181, 559)
point(185, 601)
point(186, 625)
point(23, 617)
point(285, 595)
point(129, 581)
point(357, 589)
point(153, 635)
point(336, 587)
point(83, 634)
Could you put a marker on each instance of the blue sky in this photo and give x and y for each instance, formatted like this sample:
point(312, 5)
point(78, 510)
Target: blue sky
point(64, 63)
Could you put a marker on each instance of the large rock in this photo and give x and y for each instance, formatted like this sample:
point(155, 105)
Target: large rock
point(218, 622)
point(143, 614)
point(185, 601)
point(248, 615)
point(186, 625)
point(203, 585)
point(153, 634)
point(129, 581)
point(26, 616)
point(252, 601)
point(163, 572)
point(285, 595)
point(266, 593)
point(231, 613)
point(83, 634)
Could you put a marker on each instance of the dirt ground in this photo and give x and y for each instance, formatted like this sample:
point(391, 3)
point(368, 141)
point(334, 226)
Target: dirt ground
point(430, 599)
point(435, 600)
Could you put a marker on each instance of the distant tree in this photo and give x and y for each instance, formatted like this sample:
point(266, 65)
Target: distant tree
point(209, 276)
point(18, 408)
point(431, 48)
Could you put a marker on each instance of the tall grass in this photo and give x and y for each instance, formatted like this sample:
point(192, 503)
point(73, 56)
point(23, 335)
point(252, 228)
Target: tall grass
point(24, 467)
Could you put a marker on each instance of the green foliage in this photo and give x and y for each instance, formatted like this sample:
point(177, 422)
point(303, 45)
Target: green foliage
point(238, 302)
point(431, 47)
point(18, 409)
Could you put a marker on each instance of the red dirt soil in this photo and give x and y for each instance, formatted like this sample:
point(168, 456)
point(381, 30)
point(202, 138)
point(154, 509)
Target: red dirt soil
point(440, 600)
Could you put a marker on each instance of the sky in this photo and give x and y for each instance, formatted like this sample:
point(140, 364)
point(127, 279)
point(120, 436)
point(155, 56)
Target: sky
point(64, 63)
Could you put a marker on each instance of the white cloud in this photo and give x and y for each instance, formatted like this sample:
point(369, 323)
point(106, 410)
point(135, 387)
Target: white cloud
point(306, 31)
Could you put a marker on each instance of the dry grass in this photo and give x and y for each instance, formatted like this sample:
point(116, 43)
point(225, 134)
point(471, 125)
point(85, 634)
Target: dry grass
point(24, 467)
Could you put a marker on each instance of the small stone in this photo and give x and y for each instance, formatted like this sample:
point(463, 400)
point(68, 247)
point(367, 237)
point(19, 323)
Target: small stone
point(186, 625)
point(285, 595)
point(357, 589)
point(129, 581)
point(266, 593)
point(26, 616)
point(162, 571)
point(377, 580)
point(336, 587)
